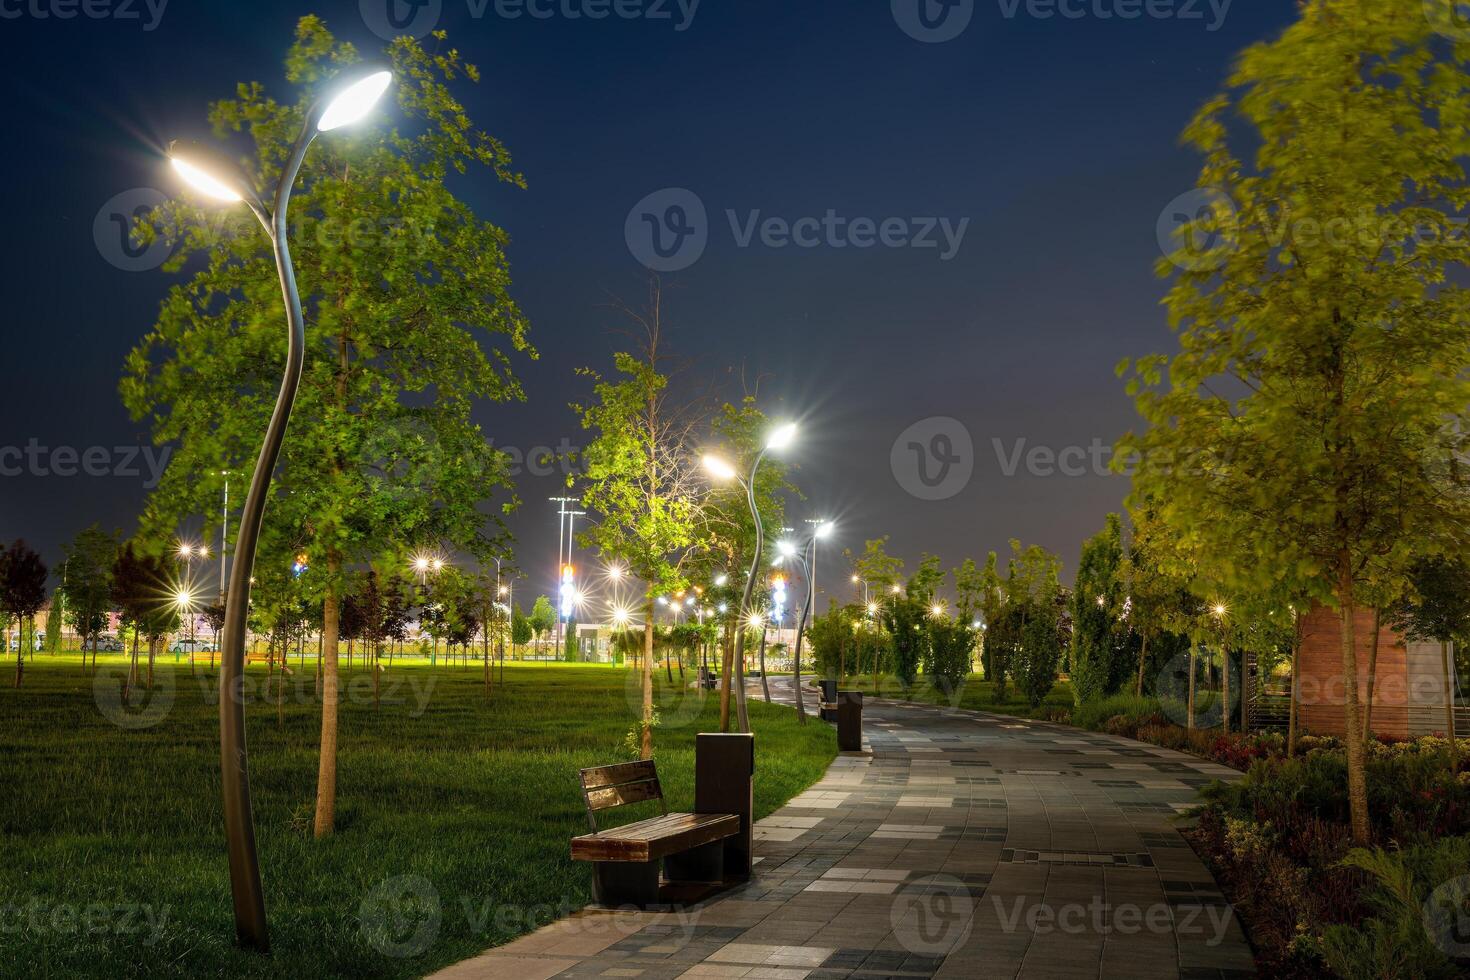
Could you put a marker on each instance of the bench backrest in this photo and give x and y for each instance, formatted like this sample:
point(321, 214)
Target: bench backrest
point(606, 787)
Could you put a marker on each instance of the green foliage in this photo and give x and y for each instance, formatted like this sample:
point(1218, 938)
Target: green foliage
point(1437, 609)
point(520, 628)
point(543, 616)
point(638, 473)
point(947, 654)
point(1099, 647)
point(53, 623)
point(906, 619)
point(1040, 651)
point(1397, 941)
point(571, 649)
point(833, 641)
point(876, 567)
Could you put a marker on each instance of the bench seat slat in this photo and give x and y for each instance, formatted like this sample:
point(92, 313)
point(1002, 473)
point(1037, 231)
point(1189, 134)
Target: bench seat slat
point(651, 839)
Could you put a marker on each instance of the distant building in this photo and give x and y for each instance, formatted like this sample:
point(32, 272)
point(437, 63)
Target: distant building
point(1408, 694)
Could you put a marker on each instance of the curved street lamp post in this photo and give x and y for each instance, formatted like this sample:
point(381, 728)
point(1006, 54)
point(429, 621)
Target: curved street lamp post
point(198, 167)
point(778, 440)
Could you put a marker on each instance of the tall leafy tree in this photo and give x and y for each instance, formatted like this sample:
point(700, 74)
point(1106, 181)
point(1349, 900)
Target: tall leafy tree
point(87, 584)
point(1301, 432)
point(639, 480)
point(543, 617)
point(1098, 667)
point(22, 593)
point(875, 566)
point(409, 323)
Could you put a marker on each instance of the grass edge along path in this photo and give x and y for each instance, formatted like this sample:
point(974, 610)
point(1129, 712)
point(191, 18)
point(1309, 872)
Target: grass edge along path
point(453, 821)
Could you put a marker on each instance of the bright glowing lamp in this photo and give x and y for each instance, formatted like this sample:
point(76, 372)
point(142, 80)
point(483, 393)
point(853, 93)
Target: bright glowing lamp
point(718, 468)
point(781, 437)
point(206, 183)
point(354, 101)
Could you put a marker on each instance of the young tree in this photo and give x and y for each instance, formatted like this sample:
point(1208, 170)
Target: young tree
point(520, 629)
point(88, 584)
point(639, 478)
point(22, 593)
point(1302, 431)
point(876, 567)
point(1098, 667)
point(409, 324)
point(543, 617)
point(947, 653)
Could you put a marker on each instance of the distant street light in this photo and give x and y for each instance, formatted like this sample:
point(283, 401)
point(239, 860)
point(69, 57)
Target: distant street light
point(198, 167)
point(779, 438)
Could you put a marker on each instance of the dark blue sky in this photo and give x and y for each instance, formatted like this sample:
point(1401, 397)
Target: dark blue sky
point(1056, 137)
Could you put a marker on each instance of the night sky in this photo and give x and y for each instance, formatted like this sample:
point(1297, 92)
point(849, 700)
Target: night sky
point(1054, 140)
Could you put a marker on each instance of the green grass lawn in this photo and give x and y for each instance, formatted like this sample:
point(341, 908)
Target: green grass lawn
point(976, 695)
point(113, 854)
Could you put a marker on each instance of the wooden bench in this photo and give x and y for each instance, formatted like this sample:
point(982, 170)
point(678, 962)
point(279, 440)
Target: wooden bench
point(625, 860)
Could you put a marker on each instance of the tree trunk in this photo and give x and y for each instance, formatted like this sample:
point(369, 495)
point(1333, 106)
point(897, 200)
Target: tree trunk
point(765, 683)
point(727, 671)
point(1296, 649)
point(646, 742)
point(1356, 763)
point(1449, 707)
point(1142, 659)
point(1224, 688)
point(1372, 680)
point(326, 780)
point(1189, 700)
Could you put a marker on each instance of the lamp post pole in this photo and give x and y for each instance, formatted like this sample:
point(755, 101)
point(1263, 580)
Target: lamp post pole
point(350, 104)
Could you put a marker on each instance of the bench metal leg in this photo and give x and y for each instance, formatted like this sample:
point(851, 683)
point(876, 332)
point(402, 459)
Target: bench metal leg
point(616, 883)
point(705, 863)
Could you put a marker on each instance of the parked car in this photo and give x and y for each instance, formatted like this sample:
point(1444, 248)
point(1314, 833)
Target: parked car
point(109, 644)
point(40, 641)
point(191, 646)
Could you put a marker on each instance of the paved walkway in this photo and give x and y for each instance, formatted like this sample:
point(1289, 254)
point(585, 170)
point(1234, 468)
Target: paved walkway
point(957, 844)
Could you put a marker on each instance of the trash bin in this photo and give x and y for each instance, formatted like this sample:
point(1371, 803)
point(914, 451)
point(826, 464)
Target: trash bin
point(850, 721)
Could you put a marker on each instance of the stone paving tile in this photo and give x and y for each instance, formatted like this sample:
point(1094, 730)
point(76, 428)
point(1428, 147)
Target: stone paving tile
point(956, 844)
